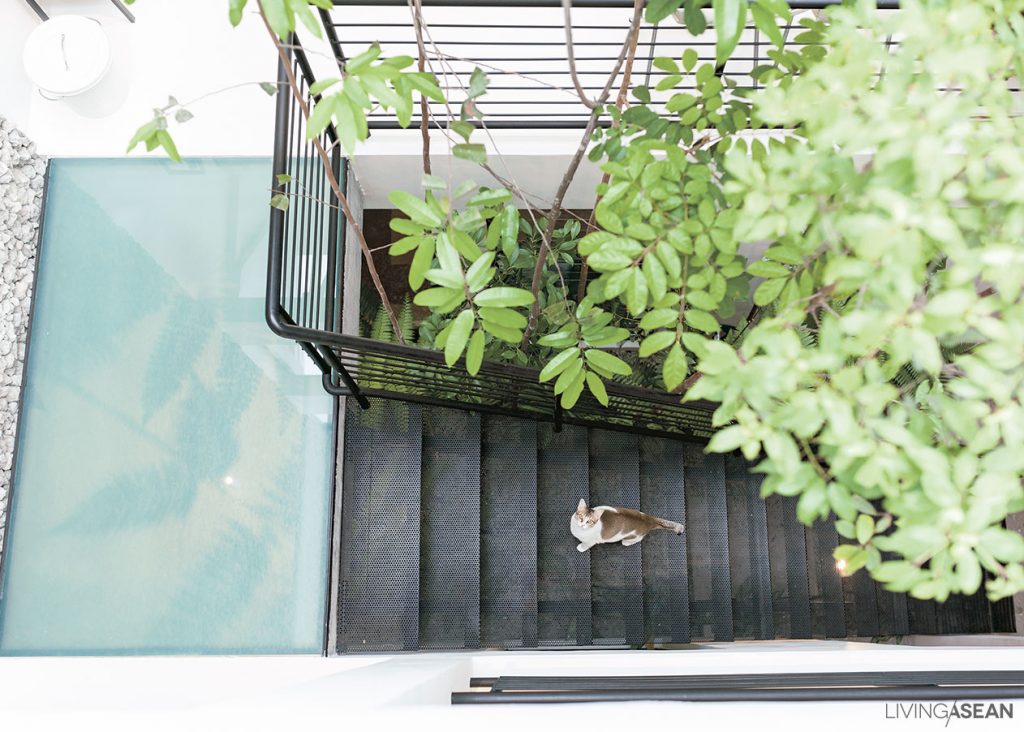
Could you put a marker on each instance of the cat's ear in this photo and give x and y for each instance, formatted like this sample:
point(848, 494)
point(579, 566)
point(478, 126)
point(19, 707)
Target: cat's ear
point(582, 505)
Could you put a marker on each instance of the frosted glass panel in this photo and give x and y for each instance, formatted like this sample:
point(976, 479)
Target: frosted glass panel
point(173, 475)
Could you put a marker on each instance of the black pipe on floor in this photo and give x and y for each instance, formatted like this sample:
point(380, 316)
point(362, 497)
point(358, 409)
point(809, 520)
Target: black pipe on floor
point(862, 693)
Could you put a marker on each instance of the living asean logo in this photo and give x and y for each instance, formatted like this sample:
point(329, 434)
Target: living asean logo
point(949, 711)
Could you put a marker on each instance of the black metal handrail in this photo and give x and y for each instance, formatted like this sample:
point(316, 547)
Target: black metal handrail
point(919, 686)
point(306, 297)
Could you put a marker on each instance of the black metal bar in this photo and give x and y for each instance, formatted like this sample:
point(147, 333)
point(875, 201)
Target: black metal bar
point(863, 693)
point(123, 10)
point(824, 679)
point(335, 240)
point(5, 543)
point(332, 38)
point(794, 4)
point(332, 567)
point(38, 10)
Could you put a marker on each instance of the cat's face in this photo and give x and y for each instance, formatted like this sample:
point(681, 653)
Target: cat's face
point(584, 516)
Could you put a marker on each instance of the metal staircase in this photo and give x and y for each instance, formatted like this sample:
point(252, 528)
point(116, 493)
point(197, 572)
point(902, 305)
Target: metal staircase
point(455, 534)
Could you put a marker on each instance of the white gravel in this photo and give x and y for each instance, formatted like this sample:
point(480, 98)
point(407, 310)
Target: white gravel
point(21, 198)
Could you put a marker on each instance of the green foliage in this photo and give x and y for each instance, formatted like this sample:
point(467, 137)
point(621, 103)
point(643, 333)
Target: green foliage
point(879, 376)
point(895, 216)
point(368, 81)
point(730, 19)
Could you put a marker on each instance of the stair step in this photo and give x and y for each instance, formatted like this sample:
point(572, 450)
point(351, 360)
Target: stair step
point(616, 571)
point(508, 533)
point(450, 530)
point(708, 534)
point(380, 551)
point(749, 566)
point(788, 553)
point(665, 577)
point(825, 586)
point(563, 574)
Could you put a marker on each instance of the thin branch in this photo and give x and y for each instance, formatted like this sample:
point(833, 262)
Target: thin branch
point(620, 102)
point(574, 164)
point(417, 20)
point(556, 206)
point(333, 180)
point(567, 22)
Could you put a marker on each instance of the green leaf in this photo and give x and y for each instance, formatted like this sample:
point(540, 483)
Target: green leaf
point(279, 17)
point(865, 528)
point(301, 9)
point(279, 201)
point(730, 18)
point(693, 16)
point(768, 291)
point(415, 208)
point(765, 22)
point(572, 394)
point(690, 59)
point(608, 362)
point(568, 376)
point(769, 270)
point(182, 116)
point(475, 152)
point(675, 368)
point(320, 117)
point(657, 342)
point(636, 292)
point(490, 197)
point(421, 262)
point(457, 336)
point(658, 10)
point(361, 61)
point(475, 353)
point(426, 84)
point(1004, 545)
point(436, 297)
point(144, 133)
point(558, 364)
point(235, 9)
point(503, 316)
point(701, 320)
point(461, 128)
point(504, 297)
point(596, 387)
point(164, 138)
point(509, 335)
point(433, 183)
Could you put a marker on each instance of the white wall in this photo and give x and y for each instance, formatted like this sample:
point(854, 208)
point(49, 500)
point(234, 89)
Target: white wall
point(181, 47)
point(187, 48)
point(412, 691)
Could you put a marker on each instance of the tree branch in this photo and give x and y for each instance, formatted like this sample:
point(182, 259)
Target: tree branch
point(574, 164)
point(421, 65)
point(333, 180)
point(567, 22)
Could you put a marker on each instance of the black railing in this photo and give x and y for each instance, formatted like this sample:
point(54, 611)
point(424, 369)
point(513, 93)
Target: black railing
point(890, 686)
point(306, 298)
point(306, 295)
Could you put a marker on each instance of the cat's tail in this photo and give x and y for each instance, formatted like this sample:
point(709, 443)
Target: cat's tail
point(670, 525)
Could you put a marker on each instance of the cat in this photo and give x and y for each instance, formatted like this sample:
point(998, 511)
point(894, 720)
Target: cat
point(607, 524)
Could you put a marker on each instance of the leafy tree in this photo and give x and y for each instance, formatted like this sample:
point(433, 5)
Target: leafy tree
point(878, 374)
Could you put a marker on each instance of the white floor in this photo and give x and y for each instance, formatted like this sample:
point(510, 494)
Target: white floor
point(294, 692)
